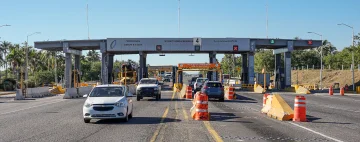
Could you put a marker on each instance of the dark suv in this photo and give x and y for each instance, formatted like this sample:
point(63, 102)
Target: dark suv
point(214, 89)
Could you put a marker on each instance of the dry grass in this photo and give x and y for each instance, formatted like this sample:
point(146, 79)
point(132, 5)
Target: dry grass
point(329, 77)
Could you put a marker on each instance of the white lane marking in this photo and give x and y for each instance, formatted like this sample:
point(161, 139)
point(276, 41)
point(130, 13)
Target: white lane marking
point(334, 139)
point(31, 107)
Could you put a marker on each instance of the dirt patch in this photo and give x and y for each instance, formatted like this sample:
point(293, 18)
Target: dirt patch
point(329, 77)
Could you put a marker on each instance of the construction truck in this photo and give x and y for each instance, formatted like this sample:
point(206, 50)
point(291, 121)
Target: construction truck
point(128, 73)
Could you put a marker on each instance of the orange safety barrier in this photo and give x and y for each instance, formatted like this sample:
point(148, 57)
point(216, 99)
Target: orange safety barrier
point(229, 93)
point(342, 91)
point(264, 99)
point(331, 91)
point(188, 92)
point(200, 109)
point(300, 109)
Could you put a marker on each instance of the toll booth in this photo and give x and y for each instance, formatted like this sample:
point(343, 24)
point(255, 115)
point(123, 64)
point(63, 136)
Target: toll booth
point(210, 67)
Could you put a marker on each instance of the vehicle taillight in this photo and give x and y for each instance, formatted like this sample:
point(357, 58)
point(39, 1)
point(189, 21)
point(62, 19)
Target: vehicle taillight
point(205, 87)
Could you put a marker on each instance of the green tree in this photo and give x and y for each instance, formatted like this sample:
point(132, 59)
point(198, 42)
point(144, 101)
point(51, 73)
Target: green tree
point(16, 57)
point(328, 48)
point(228, 66)
point(93, 56)
point(4, 49)
point(264, 59)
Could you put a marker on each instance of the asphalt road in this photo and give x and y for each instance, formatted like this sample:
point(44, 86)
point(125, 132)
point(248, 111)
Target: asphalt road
point(55, 119)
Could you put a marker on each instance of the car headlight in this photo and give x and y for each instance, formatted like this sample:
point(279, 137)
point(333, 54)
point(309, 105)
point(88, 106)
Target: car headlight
point(88, 105)
point(156, 88)
point(120, 104)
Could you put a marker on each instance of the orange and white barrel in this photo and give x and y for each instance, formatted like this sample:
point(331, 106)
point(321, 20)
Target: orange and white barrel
point(264, 99)
point(200, 109)
point(331, 91)
point(188, 92)
point(300, 109)
point(342, 91)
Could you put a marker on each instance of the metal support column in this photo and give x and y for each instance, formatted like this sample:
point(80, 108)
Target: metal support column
point(104, 68)
point(145, 74)
point(68, 71)
point(287, 66)
point(211, 75)
point(174, 70)
point(251, 73)
point(180, 77)
point(77, 66)
point(141, 67)
point(110, 67)
point(279, 73)
point(244, 69)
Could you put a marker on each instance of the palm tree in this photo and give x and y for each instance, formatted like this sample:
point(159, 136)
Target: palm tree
point(328, 48)
point(16, 57)
point(4, 48)
point(93, 56)
point(48, 57)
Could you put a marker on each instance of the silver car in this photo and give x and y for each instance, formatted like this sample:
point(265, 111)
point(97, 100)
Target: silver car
point(108, 102)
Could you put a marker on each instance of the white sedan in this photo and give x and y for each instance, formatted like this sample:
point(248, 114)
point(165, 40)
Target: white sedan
point(108, 102)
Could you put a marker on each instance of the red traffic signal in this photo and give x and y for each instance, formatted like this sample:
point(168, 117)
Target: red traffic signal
point(309, 42)
point(235, 48)
point(158, 48)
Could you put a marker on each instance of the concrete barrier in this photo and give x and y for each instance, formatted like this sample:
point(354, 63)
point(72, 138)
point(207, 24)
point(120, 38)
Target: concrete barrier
point(19, 95)
point(183, 91)
point(37, 92)
point(85, 90)
point(132, 88)
point(71, 93)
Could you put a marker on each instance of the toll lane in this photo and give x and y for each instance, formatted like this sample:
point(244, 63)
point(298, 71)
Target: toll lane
point(336, 122)
point(62, 121)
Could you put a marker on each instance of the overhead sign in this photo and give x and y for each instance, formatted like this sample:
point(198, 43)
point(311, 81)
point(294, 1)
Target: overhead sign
point(235, 48)
point(310, 42)
point(184, 45)
point(272, 41)
point(197, 41)
point(280, 50)
point(199, 66)
point(71, 51)
point(158, 47)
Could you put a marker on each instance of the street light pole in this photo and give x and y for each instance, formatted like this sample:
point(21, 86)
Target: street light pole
point(352, 54)
point(321, 56)
point(27, 54)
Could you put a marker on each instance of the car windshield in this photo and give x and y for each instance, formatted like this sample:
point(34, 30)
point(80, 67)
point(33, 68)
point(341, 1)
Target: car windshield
point(107, 92)
point(194, 79)
point(148, 81)
point(202, 79)
point(213, 84)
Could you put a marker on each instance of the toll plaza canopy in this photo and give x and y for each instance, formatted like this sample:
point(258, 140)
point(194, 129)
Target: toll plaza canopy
point(212, 46)
point(177, 45)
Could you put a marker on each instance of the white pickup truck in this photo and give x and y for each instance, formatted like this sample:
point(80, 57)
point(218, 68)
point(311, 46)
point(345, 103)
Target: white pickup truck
point(148, 87)
point(199, 82)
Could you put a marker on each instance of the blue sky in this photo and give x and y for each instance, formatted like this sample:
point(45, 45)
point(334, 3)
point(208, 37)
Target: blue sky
point(66, 19)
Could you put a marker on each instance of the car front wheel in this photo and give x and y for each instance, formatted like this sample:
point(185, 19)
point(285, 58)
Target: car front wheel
point(158, 97)
point(138, 98)
point(87, 120)
point(221, 99)
point(126, 119)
